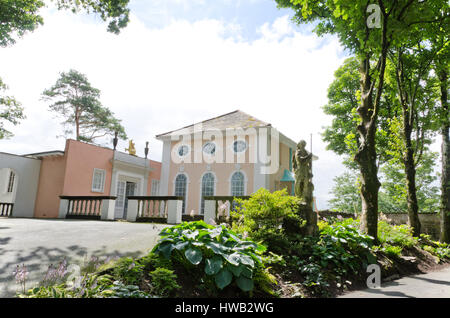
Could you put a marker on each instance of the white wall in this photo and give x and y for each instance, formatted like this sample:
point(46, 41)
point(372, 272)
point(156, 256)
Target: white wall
point(26, 183)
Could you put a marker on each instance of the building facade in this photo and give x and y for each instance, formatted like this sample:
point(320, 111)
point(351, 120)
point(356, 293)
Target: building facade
point(231, 155)
point(80, 170)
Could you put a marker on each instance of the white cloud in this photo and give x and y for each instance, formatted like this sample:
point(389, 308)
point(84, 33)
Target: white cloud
point(157, 80)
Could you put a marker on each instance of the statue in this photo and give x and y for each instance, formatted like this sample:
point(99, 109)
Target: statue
point(131, 149)
point(302, 163)
point(303, 174)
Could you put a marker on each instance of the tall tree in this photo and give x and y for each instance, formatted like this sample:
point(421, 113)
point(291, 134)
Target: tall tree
point(439, 39)
point(345, 193)
point(416, 97)
point(78, 103)
point(367, 30)
point(394, 190)
point(19, 16)
point(10, 111)
point(343, 101)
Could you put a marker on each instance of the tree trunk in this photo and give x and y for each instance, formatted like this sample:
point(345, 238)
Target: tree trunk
point(445, 177)
point(410, 171)
point(366, 155)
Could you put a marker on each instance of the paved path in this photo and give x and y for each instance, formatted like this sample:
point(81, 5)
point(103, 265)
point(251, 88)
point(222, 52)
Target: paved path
point(429, 285)
point(38, 243)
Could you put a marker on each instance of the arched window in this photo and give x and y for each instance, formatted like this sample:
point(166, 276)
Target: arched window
point(208, 181)
point(237, 184)
point(180, 188)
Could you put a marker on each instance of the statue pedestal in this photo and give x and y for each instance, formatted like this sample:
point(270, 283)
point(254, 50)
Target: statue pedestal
point(306, 212)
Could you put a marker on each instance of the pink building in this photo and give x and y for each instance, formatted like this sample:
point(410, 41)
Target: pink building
point(87, 170)
point(230, 155)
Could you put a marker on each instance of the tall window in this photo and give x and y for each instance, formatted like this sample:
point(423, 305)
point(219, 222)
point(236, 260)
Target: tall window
point(237, 184)
point(180, 189)
point(207, 189)
point(12, 176)
point(98, 180)
point(155, 187)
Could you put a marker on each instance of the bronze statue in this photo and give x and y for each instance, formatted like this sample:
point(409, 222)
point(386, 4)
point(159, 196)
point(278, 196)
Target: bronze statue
point(131, 149)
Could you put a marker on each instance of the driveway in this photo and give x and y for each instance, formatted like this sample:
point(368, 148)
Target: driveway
point(429, 285)
point(37, 243)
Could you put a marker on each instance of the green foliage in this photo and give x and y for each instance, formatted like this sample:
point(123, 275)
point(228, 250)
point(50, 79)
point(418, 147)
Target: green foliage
point(11, 110)
point(79, 104)
point(393, 251)
point(119, 290)
point(267, 218)
point(92, 286)
point(216, 254)
point(345, 191)
point(20, 16)
point(164, 282)
point(438, 249)
point(129, 270)
point(340, 251)
point(397, 235)
point(393, 186)
point(153, 261)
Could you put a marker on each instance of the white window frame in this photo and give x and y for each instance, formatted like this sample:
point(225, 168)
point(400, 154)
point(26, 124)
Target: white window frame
point(103, 176)
point(187, 153)
point(201, 187)
point(186, 190)
point(209, 143)
point(236, 141)
point(230, 180)
point(155, 187)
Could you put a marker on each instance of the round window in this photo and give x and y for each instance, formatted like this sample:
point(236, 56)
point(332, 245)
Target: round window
point(183, 150)
point(209, 148)
point(239, 146)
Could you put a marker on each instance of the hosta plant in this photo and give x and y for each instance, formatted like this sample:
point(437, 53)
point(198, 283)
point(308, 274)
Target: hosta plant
point(221, 255)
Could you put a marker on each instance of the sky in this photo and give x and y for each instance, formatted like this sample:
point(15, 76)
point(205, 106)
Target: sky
point(179, 62)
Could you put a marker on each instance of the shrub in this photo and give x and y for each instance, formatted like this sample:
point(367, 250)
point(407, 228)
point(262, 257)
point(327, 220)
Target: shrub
point(217, 254)
point(92, 286)
point(164, 282)
point(128, 270)
point(390, 250)
point(400, 235)
point(339, 251)
point(268, 218)
point(153, 261)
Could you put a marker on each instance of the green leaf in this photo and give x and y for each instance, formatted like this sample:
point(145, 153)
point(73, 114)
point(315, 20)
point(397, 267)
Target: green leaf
point(234, 258)
point(181, 246)
point(193, 255)
point(247, 272)
point(166, 249)
point(247, 260)
point(244, 283)
point(213, 265)
point(236, 270)
point(223, 278)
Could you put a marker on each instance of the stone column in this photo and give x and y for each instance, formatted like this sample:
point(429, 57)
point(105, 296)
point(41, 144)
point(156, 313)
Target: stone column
point(108, 207)
point(132, 211)
point(63, 207)
point(210, 212)
point(174, 211)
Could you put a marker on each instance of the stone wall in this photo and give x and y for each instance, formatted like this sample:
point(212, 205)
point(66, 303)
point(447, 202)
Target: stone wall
point(430, 222)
